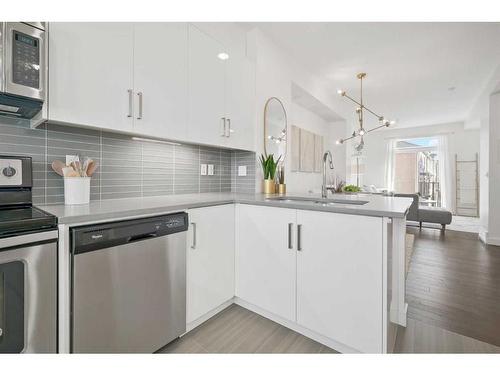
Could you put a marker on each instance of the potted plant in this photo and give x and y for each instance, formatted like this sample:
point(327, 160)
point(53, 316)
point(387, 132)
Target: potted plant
point(351, 189)
point(269, 166)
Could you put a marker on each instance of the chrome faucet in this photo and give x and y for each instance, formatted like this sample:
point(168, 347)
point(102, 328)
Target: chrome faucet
point(326, 155)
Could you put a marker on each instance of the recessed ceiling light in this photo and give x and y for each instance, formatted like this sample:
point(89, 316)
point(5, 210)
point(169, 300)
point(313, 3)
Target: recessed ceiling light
point(223, 56)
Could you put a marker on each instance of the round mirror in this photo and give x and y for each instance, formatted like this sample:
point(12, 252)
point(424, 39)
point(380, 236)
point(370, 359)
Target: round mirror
point(275, 128)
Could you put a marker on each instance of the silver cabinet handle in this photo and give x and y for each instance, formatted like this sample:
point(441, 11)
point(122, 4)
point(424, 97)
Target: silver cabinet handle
point(139, 95)
point(223, 134)
point(290, 229)
point(228, 128)
point(299, 237)
point(193, 245)
point(130, 102)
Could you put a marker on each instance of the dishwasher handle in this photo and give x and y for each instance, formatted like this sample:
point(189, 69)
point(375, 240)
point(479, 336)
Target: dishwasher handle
point(141, 237)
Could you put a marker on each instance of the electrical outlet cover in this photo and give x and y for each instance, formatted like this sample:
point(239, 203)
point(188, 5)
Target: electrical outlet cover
point(203, 169)
point(211, 169)
point(242, 170)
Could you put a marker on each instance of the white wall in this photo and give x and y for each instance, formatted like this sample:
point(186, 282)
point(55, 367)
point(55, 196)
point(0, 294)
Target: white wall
point(303, 182)
point(275, 73)
point(493, 233)
point(484, 116)
point(463, 142)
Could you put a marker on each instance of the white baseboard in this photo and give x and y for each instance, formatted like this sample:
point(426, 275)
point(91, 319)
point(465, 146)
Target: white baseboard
point(493, 240)
point(202, 319)
point(397, 316)
point(483, 235)
point(335, 345)
point(489, 240)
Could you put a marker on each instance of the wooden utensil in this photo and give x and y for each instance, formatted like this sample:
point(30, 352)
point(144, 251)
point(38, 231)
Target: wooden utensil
point(58, 166)
point(70, 172)
point(86, 166)
point(91, 168)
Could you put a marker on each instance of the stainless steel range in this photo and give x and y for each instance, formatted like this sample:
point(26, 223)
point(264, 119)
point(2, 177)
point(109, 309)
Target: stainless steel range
point(28, 259)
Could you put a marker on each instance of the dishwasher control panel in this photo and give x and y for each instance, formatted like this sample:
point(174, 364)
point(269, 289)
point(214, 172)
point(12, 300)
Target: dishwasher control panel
point(95, 237)
point(175, 222)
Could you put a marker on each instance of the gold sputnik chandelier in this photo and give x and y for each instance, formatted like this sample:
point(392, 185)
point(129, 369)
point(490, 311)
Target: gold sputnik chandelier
point(361, 108)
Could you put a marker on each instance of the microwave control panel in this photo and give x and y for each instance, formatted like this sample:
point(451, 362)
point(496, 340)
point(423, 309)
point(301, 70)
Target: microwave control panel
point(25, 60)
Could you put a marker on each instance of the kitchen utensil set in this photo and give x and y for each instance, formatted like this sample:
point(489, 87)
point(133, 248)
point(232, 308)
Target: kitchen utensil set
point(76, 168)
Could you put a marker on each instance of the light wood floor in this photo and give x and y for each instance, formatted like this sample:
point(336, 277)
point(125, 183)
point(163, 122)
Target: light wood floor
point(453, 292)
point(238, 330)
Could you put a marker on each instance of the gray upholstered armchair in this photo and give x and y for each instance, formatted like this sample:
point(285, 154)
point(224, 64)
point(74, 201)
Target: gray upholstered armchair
point(435, 215)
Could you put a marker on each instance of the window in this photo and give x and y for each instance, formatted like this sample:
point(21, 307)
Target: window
point(417, 169)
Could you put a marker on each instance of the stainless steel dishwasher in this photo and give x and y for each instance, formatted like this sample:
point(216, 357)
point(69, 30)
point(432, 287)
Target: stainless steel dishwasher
point(128, 285)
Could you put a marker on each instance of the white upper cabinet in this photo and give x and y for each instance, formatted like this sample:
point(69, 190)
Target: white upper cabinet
point(240, 102)
point(90, 73)
point(210, 259)
point(206, 89)
point(221, 94)
point(165, 80)
point(266, 259)
point(161, 79)
point(339, 278)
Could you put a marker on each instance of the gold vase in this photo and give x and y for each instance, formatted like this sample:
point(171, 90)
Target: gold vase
point(269, 186)
point(282, 189)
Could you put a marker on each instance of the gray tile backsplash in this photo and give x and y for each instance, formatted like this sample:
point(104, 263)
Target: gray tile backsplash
point(127, 168)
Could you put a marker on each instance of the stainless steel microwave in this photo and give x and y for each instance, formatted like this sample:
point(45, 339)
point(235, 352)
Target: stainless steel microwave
point(23, 71)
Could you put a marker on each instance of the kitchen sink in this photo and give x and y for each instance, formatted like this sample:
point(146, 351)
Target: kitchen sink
point(322, 201)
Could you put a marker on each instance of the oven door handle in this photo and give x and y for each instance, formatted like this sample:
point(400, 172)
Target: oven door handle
point(27, 239)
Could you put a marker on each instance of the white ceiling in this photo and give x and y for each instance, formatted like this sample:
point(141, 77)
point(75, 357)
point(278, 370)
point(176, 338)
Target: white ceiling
point(417, 73)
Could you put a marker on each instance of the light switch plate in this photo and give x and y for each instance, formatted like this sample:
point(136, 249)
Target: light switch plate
point(203, 169)
point(242, 170)
point(211, 169)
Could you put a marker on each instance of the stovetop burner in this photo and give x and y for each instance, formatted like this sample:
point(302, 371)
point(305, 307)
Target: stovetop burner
point(15, 220)
point(17, 214)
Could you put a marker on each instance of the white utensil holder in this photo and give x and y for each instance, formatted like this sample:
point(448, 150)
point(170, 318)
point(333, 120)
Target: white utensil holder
point(76, 190)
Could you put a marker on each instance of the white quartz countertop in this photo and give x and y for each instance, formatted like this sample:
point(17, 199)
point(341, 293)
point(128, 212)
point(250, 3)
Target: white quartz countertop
point(116, 209)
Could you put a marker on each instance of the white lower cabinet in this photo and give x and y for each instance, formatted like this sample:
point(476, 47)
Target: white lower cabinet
point(339, 278)
point(320, 271)
point(265, 265)
point(210, 259)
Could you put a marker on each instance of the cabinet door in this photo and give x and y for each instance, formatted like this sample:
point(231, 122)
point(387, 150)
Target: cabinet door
point(206, 89)
point(210, 259)
point(90, 72)
point(339, 278)
point(161, 78)
point(265, 265)
point(240, 102)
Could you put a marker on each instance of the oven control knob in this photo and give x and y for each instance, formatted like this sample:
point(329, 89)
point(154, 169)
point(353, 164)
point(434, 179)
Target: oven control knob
point(9, 171)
